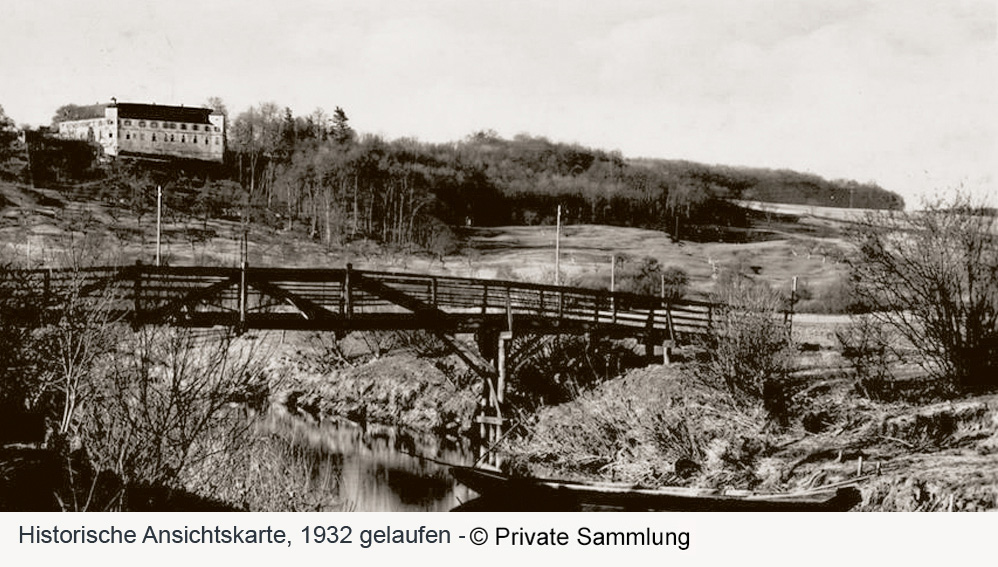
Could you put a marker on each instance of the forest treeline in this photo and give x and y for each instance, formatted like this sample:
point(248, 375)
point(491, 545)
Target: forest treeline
point(315, 173)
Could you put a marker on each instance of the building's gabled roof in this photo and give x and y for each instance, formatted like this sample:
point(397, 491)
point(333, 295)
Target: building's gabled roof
point(142, 111)
point(85, 112)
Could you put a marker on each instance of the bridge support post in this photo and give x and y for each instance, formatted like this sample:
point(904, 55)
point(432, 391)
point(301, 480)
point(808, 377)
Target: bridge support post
point(503, 348)
point(493, 346)
point(667, 352)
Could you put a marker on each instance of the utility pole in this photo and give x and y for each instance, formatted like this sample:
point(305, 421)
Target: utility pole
point(790, 311)
point(243, 296)
point(159, 222)
point(557, 249)
point(613, 273)
point(613, 285)
point(28, 135)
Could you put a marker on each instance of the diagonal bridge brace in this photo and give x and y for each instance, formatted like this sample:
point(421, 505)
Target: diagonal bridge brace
point(189, 300)
point(441, 326)
point(309, 309)
point(118, 276)
point(437, 319)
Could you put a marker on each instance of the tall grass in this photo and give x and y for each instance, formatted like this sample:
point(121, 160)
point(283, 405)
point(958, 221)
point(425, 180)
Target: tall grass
point(657, 426)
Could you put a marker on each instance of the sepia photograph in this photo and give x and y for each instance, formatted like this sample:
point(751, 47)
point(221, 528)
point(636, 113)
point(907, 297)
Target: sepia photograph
point(522, 256)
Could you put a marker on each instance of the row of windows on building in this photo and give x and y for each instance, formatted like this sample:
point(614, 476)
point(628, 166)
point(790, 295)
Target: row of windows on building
point(170, 125)
point(172, 138)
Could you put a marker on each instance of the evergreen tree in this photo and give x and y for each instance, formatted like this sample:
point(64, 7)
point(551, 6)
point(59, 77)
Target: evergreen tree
point(342, 133)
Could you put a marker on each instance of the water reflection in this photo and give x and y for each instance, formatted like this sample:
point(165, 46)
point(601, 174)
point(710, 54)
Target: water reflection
point(376, 469)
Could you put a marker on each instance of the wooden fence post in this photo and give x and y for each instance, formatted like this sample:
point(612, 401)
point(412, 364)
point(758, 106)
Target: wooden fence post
point(649, 332)
point(509, 311)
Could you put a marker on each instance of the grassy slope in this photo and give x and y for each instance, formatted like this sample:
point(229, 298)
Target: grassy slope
point(808, 248)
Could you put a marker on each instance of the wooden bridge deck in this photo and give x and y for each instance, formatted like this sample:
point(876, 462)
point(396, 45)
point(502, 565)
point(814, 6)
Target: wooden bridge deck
point(347, 299)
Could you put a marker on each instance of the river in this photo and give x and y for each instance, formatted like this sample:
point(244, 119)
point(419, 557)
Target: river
point(374, 469)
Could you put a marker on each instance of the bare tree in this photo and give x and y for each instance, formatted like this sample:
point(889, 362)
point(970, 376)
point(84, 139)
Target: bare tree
point(218, 105)
point(8, 134)
point(932, 276)
point(84, 331)
point(166, 401)
point(255, 134)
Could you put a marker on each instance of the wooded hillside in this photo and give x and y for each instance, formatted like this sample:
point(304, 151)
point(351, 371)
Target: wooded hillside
point(315, 173)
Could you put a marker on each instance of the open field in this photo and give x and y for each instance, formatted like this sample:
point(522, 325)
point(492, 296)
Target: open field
point(39, 225)
point(528, 253)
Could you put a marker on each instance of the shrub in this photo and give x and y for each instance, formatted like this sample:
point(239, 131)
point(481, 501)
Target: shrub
point(162, 405)
point(642, 275)
point(556, 368)
point(838, 297)
point(645, 276)
point(865, 342)
point(748, 349)
point(675, 283)
point(932, 277)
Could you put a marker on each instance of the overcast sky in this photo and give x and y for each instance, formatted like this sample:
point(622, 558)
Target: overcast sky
point(901, 93)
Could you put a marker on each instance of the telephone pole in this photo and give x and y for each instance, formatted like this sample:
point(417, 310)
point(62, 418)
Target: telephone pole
point(159, 222)
point(557, 249)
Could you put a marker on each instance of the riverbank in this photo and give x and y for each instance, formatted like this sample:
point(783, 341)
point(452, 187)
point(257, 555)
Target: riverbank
point(400, 380)
point(660, 426)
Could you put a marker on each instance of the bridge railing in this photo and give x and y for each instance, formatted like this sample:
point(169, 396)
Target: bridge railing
point(147, 289)
point(451, 293)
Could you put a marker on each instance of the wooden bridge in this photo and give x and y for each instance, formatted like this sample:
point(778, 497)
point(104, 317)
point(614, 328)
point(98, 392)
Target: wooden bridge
point(348, 299)
point(343, 300)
